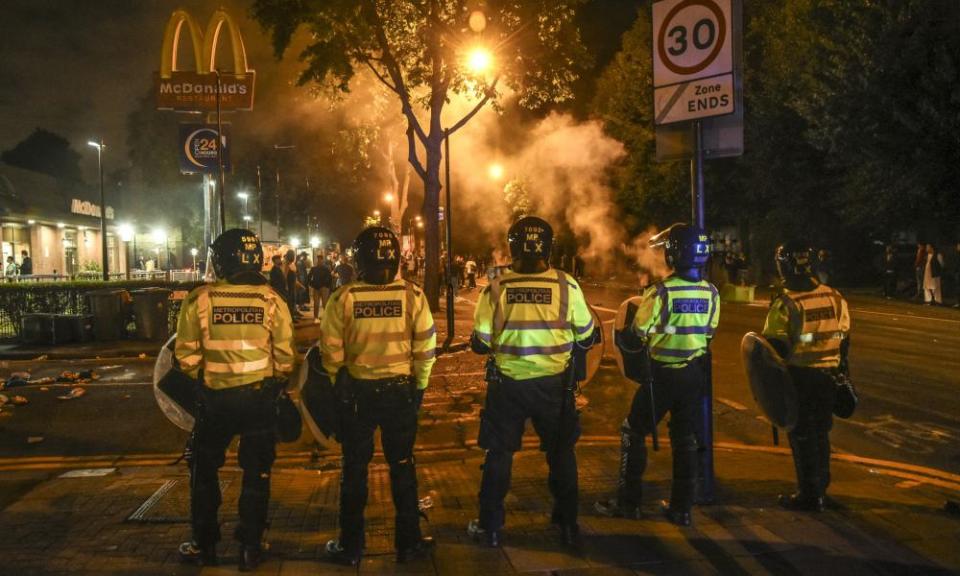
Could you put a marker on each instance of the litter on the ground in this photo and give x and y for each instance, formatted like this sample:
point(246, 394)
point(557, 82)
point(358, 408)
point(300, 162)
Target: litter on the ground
point(19, 401)
point(34, 439)
point(88, 473)
point(74, 392)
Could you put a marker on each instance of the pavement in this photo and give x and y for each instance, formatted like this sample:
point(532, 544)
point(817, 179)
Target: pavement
point(124, 512)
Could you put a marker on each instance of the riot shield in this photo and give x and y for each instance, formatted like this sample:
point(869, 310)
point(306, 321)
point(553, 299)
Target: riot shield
point(595, 354)
point(770, 382)
point(318, 403)
point(628, 361)
point(176, 393)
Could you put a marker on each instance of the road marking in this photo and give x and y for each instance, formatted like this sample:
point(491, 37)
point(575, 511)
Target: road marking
point(907, 316)
point(731, 403)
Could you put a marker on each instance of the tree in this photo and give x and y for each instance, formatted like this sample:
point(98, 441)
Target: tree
point(46, 152)
point(517, 197)
point(417, 48)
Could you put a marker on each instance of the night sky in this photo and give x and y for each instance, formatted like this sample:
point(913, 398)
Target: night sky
point(78, 67)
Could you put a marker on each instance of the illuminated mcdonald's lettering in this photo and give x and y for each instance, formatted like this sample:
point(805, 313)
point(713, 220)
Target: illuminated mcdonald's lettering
point(195, 90)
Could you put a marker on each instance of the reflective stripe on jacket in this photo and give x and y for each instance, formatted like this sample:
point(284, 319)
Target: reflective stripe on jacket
point(236, 333)
point(678, 318)
point(531, 322)
point(379, 332)
point(813, 324)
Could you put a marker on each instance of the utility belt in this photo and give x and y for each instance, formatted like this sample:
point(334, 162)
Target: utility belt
point(349, 389)
point(494, 376)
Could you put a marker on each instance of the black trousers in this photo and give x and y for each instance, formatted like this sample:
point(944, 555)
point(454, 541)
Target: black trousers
point(552, 408)
point(250, 412)
point(810, 439)
point(677, 391)
point(391, 407)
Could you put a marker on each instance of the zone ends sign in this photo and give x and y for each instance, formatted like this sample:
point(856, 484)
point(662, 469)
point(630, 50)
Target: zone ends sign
point(692, 60)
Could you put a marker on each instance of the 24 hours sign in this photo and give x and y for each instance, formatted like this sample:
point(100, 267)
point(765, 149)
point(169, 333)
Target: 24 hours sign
point(692, 60)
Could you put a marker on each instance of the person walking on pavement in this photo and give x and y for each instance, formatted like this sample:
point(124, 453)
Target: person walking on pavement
point(919, 264)
point(809, 324)
point(293, 285)
point(889, 273)
point(379, 345)
point(670, 337)
point(932, 273)
point(536, 326)
point(470, 269)
point(320, 281)
point(236, 334)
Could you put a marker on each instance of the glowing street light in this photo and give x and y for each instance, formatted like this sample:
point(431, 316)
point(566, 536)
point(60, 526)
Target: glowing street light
point(376, 213)
point(388, 197)
point(495, 172)
point(295, 242)
point(126, 232)
point(479, 60)
point(314, 242)
point(194, 252)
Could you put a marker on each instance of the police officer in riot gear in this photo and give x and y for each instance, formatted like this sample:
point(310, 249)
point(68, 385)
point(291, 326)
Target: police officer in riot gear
point(537, 327)
point(669, 337)
point(808, 324)
point(379, 345)
point(236, 336)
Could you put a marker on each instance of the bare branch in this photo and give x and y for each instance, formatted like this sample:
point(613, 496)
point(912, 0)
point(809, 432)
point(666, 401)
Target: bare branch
point(380, 76)
point(412, 154)
point(488, 93)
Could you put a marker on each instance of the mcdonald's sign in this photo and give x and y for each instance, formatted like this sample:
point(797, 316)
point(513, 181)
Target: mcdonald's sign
point(196, 90)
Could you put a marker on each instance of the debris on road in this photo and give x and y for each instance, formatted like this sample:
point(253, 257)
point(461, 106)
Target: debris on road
point(74, 392)
point(78, 377)
point(13, 400)
point(34, 439)
point(15, 379)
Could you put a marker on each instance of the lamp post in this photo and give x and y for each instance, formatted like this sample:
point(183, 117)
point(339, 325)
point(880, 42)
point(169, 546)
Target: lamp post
point(103, 210)
point(277, 191)
point(193, 252)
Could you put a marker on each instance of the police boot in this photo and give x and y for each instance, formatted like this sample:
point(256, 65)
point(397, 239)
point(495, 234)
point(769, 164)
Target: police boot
point(570, 536)
point(808, 497)
point(678, 516)
point(491, 538)
point(249, 558)
point(422, 548)
point(340, 555)
point(192, 553)
point(633, 463)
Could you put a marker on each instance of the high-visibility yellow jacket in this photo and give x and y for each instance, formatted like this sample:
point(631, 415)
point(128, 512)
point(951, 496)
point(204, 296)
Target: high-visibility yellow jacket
point(678, 318)
point(532, 321)
point(813, 324)
point(236, 333)
point(379, 331)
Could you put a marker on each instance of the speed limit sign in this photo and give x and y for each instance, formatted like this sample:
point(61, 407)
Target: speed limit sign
point(692, 59)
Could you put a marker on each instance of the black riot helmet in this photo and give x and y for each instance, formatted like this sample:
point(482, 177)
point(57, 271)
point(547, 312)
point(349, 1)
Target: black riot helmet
point(377, 254)
point(236, 250)
point(686, 250)
point(794, 261)
point(531, 240)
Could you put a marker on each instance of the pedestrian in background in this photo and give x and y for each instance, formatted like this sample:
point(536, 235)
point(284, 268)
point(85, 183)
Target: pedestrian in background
point(889, 273)
point(11, 269)
point(919, 263)
point(824, 266)
point(470, 269)
point(277, 279)
point(303, 298)
point(932, 273)
point(26, 264)
point(344, 272)
point(293, 285)
point(320, 281)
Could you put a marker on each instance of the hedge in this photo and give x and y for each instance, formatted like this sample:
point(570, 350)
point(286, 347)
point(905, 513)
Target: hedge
point(17, 299)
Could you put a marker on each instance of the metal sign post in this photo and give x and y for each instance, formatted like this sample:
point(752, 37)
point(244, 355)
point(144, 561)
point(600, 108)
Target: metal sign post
point(449, 233)
point(698, 98)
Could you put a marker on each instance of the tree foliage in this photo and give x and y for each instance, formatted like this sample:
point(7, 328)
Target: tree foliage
point(852, 113)
point(417, 49)
point(46, 152)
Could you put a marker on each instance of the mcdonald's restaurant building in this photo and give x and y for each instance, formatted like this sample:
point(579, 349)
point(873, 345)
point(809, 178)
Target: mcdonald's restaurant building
point(57, 223)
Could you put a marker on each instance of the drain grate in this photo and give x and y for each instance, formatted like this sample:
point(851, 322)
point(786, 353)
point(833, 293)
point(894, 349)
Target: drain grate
point(170, 504)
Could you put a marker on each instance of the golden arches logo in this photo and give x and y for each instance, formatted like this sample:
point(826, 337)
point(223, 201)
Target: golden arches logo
point(196, 90)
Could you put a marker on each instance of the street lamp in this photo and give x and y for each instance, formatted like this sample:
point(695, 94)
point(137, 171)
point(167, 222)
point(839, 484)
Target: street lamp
point(295, 242)
point(495, 172)
point(193, 252)
point(103, 210)
point(479, 60)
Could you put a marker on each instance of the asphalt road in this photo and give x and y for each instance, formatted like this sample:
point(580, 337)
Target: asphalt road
point(905, 362)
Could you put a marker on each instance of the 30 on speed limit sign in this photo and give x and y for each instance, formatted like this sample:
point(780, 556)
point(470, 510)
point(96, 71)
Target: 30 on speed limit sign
point(692, 60)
